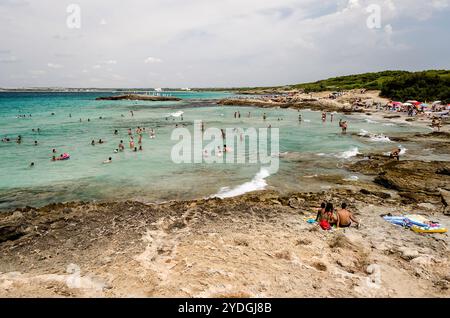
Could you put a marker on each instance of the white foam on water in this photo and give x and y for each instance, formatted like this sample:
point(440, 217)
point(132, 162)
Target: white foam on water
point(363, 132)
point(353, 152)
point(380, 138)
point(307, 121)
point(177, 114)
point(370, 121)
point(402, 151)
point(389, 124)
point(257, 183)
point(351, 178)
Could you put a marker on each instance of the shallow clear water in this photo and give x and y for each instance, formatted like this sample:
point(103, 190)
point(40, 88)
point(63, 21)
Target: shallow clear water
point(306, 148)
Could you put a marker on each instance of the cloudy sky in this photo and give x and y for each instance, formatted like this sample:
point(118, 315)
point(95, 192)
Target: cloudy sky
point(221, 43)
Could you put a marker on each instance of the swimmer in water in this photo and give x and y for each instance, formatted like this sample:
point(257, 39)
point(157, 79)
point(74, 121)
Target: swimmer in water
point(129, 132)
point(135, 149)
point(300, 118)
point(140, 148)
point(101, 141)
point(344, 127)
point(93, 142)
point(89, 119)
point(116, 132)
point(395, 154)
point(32, 165)
point(116, 150)
point(108, 161)
point(53, 150)
point(264, 116)
point(121, 146)
point(54, 158)
point(35, 143)
point(132, 113)
point(131, 144)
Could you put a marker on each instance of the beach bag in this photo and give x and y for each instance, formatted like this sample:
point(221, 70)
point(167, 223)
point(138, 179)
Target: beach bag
point(325, 225)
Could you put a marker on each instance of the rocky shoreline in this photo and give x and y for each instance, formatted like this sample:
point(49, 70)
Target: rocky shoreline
point(255, 245)
point(140, 97)
point(311, 104)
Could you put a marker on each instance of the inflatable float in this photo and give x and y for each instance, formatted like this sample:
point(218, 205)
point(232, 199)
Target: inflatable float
point(418, 229)
point(65, 156)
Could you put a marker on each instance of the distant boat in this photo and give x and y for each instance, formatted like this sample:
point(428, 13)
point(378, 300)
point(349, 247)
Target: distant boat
point(186, 89)
point(158, 89)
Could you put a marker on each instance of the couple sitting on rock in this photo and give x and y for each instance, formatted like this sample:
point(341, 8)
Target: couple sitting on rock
point(327, 216)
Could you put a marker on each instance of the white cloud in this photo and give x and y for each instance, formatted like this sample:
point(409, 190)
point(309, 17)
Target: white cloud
point(440, 4)
point(9, 59)
point(37, 72)
point(53, 65)
point(150, 60)
point(220, 43)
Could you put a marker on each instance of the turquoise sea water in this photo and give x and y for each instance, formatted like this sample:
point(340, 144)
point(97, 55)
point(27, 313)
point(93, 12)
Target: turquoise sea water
point(307, 149)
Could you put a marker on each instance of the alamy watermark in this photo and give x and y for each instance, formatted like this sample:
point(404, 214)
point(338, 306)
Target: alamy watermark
point(230, 146)
point(374, 19)
point(73, 20)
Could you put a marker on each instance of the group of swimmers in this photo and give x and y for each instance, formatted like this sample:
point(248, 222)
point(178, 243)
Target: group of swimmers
point(140, 132)
point(341, 218)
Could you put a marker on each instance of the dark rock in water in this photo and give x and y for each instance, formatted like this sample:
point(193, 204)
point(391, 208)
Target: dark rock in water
point(392, 116)
point(140, 97)
point(415, 180)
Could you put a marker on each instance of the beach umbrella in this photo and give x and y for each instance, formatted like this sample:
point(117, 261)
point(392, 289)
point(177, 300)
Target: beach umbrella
point(407, 104)
point(437, 102)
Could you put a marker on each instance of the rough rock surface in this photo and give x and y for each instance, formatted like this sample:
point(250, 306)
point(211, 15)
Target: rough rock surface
point(257, 245)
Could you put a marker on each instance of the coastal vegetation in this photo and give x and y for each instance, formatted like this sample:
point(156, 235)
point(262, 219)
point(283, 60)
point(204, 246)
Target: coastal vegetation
point(429, 85)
